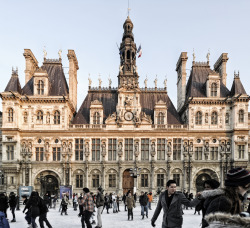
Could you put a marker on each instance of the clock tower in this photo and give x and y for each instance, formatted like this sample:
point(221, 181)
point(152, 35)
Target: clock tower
point(128, 107)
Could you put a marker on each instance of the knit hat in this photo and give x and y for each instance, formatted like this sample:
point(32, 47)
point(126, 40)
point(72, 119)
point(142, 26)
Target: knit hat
point(237, 177)
point(86, 190)
point(212, 183)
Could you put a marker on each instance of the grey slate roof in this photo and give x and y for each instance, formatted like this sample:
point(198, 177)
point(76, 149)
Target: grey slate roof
point(237, 87)
point(57, 81)
point(109, 101)
point(196, 86)
point(14, 84)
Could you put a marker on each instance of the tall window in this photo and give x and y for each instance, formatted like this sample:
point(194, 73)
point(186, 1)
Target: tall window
point(198, 118)
point(10, 115)
point(40, 87)
point(241, 149)
point(112, 180)
point(39, 153)
point(95, 180)
point(160, 180)
point(56, 153)
point(25, 117)
point(214, 153)
point(57, 117)
point(96, 145)
point(144, 180)
point(112, 149)
point(78, 149)
point(161, 144)
point(176, 177)
point(144, 149)
point(129, 149)
point(79, 181)
point(177, 149)
point(214, 90)
point(214, 118)
point(198, 153)
point(241, 116)
point(227, 118)
point(160, 118)
point(10, 152)
point(96, 118)
point(39, 116)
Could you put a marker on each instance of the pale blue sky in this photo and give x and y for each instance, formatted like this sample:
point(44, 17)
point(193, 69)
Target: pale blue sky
point(164, 28)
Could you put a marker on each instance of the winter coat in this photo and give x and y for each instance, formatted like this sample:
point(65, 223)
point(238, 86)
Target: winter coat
point(99, 200)
point(43, 207)
point(33, 205)
point(143, 200)
point(172, 216)
point(150, 198)
point(3, 221)
point(224, 220)
point(46, 199)
point(3, 202)
point(130, 202)
point(12, 201)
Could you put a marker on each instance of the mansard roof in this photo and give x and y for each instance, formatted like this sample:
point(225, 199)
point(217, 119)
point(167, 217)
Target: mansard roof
point(57, 80)
point(14, 84)
point(109, 101)
point(196, 86)
point(237, 87)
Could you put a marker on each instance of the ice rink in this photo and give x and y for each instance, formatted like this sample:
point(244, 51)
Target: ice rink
point(110, 220)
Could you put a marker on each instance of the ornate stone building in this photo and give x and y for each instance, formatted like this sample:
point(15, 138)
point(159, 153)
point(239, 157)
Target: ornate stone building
point(48, 143)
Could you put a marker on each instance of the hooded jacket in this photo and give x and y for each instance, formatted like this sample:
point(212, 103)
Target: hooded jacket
point(3, 221)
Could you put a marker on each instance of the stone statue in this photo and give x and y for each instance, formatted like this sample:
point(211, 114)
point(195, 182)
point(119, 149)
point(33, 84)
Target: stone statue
point(169, 147)
point(206, 147)
point(46, 146)
point(153, 147)
point(185, 147)
point(206, 118)
point(103, 147)
point(191, 147)
point(110, 82)
point(193, 56)
point(155, 81)
point(222, 147)
point(90, 81)
point(165, 83)
point(60, 54)
point(208, 55)
point(44, 53)
point(146, 82)
point(87, 148)
point(120, 146)
point(100, 82)
point(228, 147)
point(70, 147)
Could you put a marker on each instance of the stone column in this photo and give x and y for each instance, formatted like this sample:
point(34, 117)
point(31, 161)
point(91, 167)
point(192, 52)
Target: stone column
point(184, 176)
point(30, 173)
point(152, 179)
point(23, 177)
point(120, 177)
point(87, 175)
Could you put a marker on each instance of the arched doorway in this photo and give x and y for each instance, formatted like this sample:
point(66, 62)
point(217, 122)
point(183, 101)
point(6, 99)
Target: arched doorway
point(127, 181)
point(203, 175)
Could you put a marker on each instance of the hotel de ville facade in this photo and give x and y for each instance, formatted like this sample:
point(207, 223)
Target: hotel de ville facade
point(48, 143)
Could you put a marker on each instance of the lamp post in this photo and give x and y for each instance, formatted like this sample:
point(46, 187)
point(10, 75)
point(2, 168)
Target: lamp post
point(135, 173)
point(228, 147)
point(188, 147)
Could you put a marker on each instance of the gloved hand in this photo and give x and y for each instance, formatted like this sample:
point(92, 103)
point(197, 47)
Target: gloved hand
point(153, 224)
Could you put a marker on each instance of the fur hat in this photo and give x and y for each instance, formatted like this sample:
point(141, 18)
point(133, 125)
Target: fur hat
point(237, 177)
point(86, 190)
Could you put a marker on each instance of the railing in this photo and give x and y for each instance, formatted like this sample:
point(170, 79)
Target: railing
point(88, 126)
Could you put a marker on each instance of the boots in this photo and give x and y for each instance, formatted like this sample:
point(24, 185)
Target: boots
point(13, 220)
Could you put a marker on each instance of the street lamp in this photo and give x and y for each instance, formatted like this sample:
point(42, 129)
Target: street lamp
point(188, 147)
point(135, 173)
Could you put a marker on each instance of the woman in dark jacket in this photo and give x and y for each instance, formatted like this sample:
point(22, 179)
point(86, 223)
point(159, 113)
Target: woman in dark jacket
point(3, 203)
point(33, 205)
point(12, 203)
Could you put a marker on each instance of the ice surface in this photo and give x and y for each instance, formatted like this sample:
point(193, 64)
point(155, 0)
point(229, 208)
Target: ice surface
point(109, 220)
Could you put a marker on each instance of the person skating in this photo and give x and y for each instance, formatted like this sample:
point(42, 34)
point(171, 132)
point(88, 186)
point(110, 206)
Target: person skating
point(54, 201)
point(118, 202)
point(124, 201)
point(150, 199)
point(114, 200)
point(130, 204)
point(64, 204)
point(3, 207)
point(99, 205)
point(12, 203)
point(170, 201)
point(46, 199)
point(106, 202)
point(88, 208)
point(43, 214)
point(143, 200)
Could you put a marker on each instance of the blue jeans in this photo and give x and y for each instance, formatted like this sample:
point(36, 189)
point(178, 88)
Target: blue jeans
point(144, 209)
point(149, 205)
point(28, 218)
point(33, 222)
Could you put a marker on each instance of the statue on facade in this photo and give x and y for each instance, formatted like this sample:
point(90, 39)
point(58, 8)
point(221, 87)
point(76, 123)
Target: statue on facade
point(153, 147)
point(100, 82)
point(90, 81)
point(208, 55)
point(87, 148)
point(60, 54)
point(206, 147)
point(146, 82)
point(165, 83)
point(155, 81)
point(194, 56)
point(191, 147)
point(48, 118)
point(44, 53)
point(206, 118)
point(110, 82)
point(185, 147)
point(228, 147)
point(222, 147)
point(169, 147)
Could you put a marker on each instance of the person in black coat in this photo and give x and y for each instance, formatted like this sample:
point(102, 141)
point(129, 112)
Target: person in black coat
point(43, 214)
point(33, 205)
point(143, 200)
point(12, 203)
point(3, 203)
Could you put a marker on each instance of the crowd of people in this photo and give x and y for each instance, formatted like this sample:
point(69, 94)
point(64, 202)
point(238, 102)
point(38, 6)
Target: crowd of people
point(220, 207)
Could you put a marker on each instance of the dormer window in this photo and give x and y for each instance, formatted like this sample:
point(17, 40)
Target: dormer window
point(214, 90)
point(10, 115)
point(198, 118)
point(39, 116)
point(160, 118)
point(57, 117)
point(96, 118)
point(40, 87)
point(241, 116)
point(214, 118)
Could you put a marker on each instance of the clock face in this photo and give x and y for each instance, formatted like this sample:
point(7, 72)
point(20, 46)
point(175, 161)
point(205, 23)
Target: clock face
point(128, 116)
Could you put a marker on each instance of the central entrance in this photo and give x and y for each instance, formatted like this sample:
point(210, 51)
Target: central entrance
point(50, 185)
point(127, 182)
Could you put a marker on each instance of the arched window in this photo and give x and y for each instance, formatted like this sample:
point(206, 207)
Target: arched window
point(214, 118)
point(57, 117)
point(241, 116)
point(96, 118)
point(214, 90)
point(227, 118)
point(160, 118)
point(198, 118)
point(39, 116)
point(25, 117)
point(10, 115)
point(40, 87)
